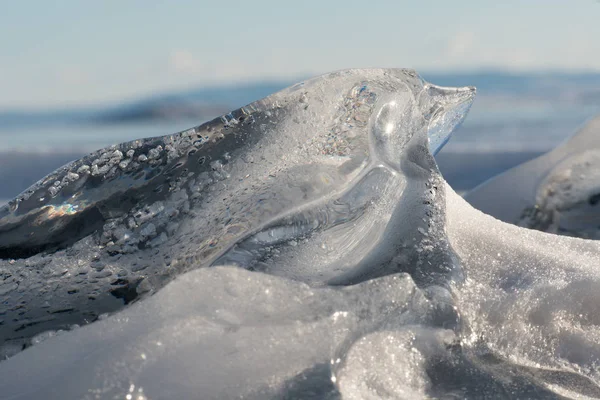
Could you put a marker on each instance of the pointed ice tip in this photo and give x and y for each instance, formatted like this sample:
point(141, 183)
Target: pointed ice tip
point(447, 108)
point(451, 95)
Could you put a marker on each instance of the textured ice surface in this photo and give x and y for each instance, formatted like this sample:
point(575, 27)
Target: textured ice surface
point(558, 192)
point(531, 330)
point(218, 333)
point(366, 276)
point(530, 298)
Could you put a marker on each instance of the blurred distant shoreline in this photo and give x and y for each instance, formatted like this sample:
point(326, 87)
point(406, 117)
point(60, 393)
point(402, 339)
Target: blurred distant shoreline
point(576, 88)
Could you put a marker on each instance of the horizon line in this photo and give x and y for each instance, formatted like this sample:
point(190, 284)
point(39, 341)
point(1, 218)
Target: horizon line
point(250, 82)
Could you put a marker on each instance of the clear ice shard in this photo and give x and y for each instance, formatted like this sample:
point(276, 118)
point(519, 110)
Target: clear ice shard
point(448, 109)
point(329, 175)
point(558, 192)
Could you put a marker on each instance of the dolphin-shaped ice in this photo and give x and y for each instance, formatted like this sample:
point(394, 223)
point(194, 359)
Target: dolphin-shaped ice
point(333, 177)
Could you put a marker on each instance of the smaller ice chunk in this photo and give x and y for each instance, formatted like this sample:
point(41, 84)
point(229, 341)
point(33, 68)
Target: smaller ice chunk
point(558, 192)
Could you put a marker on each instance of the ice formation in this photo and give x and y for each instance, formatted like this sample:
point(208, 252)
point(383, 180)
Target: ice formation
point(315, 175)
point(364, 275)
point(558, 192)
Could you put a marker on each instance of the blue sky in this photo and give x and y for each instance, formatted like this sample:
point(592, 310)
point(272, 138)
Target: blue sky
point(68, 53)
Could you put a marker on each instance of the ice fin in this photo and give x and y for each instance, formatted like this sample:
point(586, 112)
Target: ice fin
point(446, 108)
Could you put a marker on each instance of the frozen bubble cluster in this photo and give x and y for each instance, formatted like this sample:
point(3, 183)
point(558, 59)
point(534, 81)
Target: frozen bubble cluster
point(303, 246)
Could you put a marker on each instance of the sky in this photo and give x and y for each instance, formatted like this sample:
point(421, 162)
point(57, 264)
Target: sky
point(76, 53)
